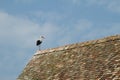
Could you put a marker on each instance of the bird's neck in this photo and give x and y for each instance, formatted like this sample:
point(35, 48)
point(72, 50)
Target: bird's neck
point(41, 39)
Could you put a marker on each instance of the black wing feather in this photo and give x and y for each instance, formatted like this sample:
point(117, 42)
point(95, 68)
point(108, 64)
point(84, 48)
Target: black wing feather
point(38, 42)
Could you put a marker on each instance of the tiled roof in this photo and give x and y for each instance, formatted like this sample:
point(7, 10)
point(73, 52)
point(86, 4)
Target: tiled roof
point(91, 60)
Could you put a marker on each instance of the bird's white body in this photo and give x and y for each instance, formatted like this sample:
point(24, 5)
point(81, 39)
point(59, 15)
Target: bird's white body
point(39, 41)
point(41, 38)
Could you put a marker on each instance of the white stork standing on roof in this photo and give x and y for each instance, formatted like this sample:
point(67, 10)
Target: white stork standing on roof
point(39, 41)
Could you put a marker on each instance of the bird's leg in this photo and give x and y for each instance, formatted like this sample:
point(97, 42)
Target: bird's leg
point(39, 47)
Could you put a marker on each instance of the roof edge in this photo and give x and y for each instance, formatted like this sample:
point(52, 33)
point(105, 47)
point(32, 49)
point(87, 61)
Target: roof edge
point(81, 44)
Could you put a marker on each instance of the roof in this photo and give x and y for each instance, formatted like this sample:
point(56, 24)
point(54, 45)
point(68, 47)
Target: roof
point(95, 60)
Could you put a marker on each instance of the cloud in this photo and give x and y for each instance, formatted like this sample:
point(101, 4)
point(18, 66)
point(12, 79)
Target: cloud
point(18, 36)
point(44, 16)
point(24, 1)
point(24, 31)
point(16, 29)
point(101, 31)
point(112, 5)
point(97, 2)
point(83, 24)
point(15, 33)
point(75, 32)
point(76, 2)
point(84, 30)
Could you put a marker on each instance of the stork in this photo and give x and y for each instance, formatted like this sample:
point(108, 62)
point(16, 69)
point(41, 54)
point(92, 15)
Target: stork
point(39, 41)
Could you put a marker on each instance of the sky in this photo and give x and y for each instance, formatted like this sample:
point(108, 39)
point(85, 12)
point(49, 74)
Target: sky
point(61, 22)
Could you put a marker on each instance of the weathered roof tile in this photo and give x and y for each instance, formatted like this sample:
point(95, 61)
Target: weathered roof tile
point(91, 60)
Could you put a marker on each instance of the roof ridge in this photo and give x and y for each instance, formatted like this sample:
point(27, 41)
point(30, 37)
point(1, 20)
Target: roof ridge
point(81, 44)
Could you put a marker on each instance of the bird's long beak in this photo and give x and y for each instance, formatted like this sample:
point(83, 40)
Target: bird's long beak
point(43, 37)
